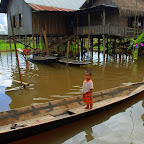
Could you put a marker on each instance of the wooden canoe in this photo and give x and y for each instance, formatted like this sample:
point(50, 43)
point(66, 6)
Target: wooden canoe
point(45, 116)
point(73, 62)
point(45, 60)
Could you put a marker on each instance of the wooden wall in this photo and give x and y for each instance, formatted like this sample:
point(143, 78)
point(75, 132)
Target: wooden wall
point(112, 17)
point(20, 7)
point(53, 22)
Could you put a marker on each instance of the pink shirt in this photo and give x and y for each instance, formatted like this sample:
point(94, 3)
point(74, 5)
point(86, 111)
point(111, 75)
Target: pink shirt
point(87, 86)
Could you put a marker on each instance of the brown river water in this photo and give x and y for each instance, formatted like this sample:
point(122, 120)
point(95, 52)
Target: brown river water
point(121, 124)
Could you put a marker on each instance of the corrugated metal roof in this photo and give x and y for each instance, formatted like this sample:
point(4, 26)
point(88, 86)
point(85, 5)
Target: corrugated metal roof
point(66, 4)
point(47, 8)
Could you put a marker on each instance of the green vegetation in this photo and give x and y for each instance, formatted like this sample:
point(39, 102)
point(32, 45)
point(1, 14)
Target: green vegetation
point(5, 46)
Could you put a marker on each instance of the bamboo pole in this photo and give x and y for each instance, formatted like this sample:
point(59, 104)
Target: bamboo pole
point(16, 50)
point(67, 53)
point(24, 83)
point(46, 41)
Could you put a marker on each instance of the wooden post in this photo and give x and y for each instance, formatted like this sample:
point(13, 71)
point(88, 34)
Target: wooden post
point(104, 17)
point(36, 42)
point(99, 45)
point(107, 46)
point(78, 46)
point(91, 45)
point(120, 50)
point(16, 49)
point(88, 43)
point(89, 23)
point(67, 53)
point(46, 41)
point(33, 42)
point(10, 43)
point(81, 47)
point(26, 39)
point(42, 42)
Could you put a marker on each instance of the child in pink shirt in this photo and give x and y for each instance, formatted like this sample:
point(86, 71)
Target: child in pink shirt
point(87, 90)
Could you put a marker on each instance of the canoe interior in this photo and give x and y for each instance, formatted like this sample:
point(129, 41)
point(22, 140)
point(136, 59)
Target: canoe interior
point(72, 62)
point(46, 59)
point(64, 107)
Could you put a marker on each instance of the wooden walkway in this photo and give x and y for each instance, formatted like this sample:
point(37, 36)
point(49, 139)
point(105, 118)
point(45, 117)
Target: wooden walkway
point(113, 30)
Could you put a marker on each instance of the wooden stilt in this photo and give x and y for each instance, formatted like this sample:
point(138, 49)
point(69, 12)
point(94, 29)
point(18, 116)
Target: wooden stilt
point(26, 39)
point(33, 42)
point(10, 44)
point(46, 41)
point(91, 45)
point(99, 43)
point(82, 47)
point(78, 46)
point(36, 42)
point(107, 45)
point(67, 53)
point(104, 22)
point(120, 48)
point(88, 43)
point(42, 47)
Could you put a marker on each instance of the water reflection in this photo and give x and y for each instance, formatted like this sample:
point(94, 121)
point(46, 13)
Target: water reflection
point(88, 134)
point(53, 82)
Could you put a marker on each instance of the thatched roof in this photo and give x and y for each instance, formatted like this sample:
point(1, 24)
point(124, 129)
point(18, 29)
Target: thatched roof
point(126, 7)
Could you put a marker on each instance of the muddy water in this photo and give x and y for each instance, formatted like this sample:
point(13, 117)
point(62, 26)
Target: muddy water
point(120, 124)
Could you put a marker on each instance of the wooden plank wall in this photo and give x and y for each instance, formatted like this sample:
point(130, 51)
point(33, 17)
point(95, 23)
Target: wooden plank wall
point(52, 22)
point(20, 7)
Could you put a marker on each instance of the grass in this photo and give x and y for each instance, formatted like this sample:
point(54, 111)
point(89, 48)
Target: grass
point(5, 46)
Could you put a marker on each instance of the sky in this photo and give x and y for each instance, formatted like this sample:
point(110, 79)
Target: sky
point(3, 19)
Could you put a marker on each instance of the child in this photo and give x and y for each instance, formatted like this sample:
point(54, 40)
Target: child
point(87, 90)
point(26, 51)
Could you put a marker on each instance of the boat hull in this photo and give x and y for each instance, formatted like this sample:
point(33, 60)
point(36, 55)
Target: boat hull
point(115, 94)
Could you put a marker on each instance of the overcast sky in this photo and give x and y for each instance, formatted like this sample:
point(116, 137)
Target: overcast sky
point(3, 19)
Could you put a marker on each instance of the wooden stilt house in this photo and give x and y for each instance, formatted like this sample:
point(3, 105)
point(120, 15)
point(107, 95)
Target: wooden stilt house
point(111, 17)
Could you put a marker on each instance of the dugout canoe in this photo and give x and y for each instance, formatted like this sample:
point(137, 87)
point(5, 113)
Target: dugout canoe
point(44, 60)
point(38, 118)
point(72, 62)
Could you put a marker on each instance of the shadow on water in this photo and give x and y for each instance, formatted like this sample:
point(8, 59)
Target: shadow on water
point(95, 128)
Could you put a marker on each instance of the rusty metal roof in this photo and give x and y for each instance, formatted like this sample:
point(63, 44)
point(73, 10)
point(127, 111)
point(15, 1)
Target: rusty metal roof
point(64, 4)
point(47, 8)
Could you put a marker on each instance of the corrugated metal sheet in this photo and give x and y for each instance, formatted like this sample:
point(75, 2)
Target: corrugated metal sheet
point(66, 4)
point(47, 8)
